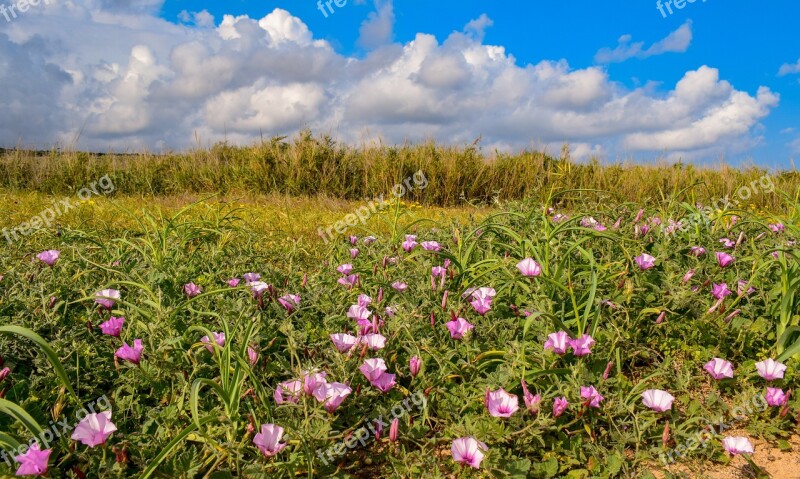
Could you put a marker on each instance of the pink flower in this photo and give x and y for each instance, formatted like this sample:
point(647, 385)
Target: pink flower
point(688, 276)
point(399, 286)
point(529, 268)
point(385, 382)
point(343, 342)
point(251, 277)
point(290, 302)
point(720, 291)
point(557, 342)
point(353, 239)
point(438, 271)
point(258, 288)
point(374, 341)
point(776, 397)
point(719, 369)
point(288, 391)
point(4, 373)
point(582, 345)
point(697, 251)
point(49, 258)
point(431, 246)
point(531, 401)
point(94, 429)
point(331, 395)
point(233, 282)
point(657, 400)
point(459, 327)
point(645, 261)
point(394, 430)
point(107, 298)
point(390, 311)
point(743, 288)
point(112, 327)
point(500, 403)
point(414, 365)
point(410, 243)
point(359, 312)
point(467, 451)
point(737, 445)
point(639, 216)
point(559, 218)
point(353, 252)
point(373, 368)
point(364, 300)
point(219, 338)
point(312, 380)
point(33, 462)
point(348, 281)
point(724, 259)
point(559, 406)
point(268, 440)
point(593, 398)
point(192, 290)
point(482, 300)
point(771, 369)
point(777, 227)
point(131, 354)
point(252, 356)
point(345, 269)
point(728, 243)
point(368, 240)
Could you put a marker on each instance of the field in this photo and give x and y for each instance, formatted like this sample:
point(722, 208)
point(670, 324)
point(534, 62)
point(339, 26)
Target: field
point(521, 316)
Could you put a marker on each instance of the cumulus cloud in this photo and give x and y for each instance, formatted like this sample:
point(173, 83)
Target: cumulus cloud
point(378, 28)
point(157, 84)
point(789, 68)
point(676, 42)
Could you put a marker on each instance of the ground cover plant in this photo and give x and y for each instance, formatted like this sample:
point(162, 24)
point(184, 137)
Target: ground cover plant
point(540, 339)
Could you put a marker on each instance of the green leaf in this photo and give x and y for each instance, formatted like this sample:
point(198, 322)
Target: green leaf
point(48, 351)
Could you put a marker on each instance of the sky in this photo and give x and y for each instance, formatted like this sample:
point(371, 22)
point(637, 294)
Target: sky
point(642, 80)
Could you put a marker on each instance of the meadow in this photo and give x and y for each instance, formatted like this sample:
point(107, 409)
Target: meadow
point(519, 316)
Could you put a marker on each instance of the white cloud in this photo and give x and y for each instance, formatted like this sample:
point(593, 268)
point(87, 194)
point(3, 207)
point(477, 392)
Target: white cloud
point(676, 42)
point(158, 84)
point(789, 68)
point(377, 29)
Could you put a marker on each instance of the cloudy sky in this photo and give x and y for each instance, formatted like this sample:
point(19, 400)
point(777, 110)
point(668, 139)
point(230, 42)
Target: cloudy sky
point(619, 80)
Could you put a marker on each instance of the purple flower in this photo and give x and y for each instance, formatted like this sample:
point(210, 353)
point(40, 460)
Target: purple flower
point(557, 342)
point(431, 246)
point(268, 440)
point(94, 429)
point(353, 240)
point(219, 339)
point(697, 251)
point(233, 282)
point(348, 281)
point(251, 277)
point(531, 402)
point(331, 395)
point(252, 356)
point(400, 286)
point(559, 406)
point(192, 290)
point(529, 268)
point(385, 382)
point(112, 327)
point(657, 400)
point(410, 243)
point(288, 391)
point(312, 380)
point(737, 445)
point(343, 342)
point(107, 298)
point(354, 252)
point(721, 290)
point(719, 369)
point(592, 397)
point(467, 451)
point(776, 397)
point(364, 300)
point(368, 240)
point(777, 227)
point(359, 312)
point(345, 269)
point(500, 403)
point(771, 369)
point(373, 368)
point(459, 327)
point(482, 300)
point(414, 365)
point(743, 288)
point(131, 354)
point(724, 259)
point(582, 345)
point(728, 243)
point(33, 462)
point(49, 258)
point(688, 276)
point(290, 302)
point(374, 341)
point(645, 261)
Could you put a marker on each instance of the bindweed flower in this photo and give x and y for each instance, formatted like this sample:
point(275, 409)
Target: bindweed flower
point(414, 365)
point(639, 216)
point(131, 354)
point(364, 300)
point(312, 380)
point(394, 430)
point(688, 276)
point(332, 395)
point(737, 445)
point(288, 391)
point(373, 368)
point(385, 382)
point(728, 243)
point(719, 369)
point(107, 298)
point(657, 400)
point(390, 311)
point(359, 312)
point(482, 300)
point(219, 339)
point(776, 397)
point(353, 240)
point(4, 373)
point(33, 462)
point(742, 288)
point(258, 288)
point(354, 253)
point(374, 341)
point(720, 291)
point(771, 369)
point(431, 246)
point(645, 261)
point(438, 271)
point(500, 403)
point(607, 371)
point(467, 451)
point(343, 342)
point(368, 240)
point(661, 317)
point(459, 327)
point(592, 397)
point(233, 282)
point(345, 269)
point(724, 259)
point(192, 290)
point(582, 345)
point(268, 440)
point(49, 257)
point(557, 342)
point(531, 401)
point(251, 277)
point(252, 356)
point(399, 286)
point(290, 302)
point(559, 406)
point(112, 327)
point(559, 218)
point(777, 227)
point(348, 281)
point(529, 268)
point(729, 317)
point(697, 251)
point(410, 243)
point(94, 429)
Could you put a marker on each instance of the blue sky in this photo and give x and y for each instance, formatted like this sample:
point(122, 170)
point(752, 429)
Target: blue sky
point(703, 82)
